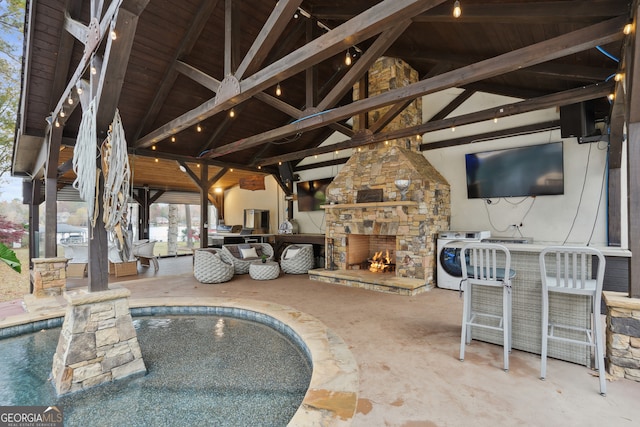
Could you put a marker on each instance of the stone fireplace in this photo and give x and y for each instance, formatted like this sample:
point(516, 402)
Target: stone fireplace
point(407, 226)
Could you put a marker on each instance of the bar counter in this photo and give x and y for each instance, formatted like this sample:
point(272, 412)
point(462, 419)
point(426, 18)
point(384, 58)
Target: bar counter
point(527, 305)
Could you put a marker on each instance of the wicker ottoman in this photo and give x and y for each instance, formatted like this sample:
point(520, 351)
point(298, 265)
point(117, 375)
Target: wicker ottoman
point(259, 270)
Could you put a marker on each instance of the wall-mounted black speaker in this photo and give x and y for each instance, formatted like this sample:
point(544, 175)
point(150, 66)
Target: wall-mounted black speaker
point(577, 120)
point(286, 172)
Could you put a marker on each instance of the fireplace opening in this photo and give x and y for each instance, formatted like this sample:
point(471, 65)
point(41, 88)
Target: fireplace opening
point(373, 253)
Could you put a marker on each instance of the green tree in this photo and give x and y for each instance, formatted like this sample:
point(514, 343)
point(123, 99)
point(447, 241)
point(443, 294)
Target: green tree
point(11, 36)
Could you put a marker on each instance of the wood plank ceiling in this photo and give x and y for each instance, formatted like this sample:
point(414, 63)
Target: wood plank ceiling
point(193, 62)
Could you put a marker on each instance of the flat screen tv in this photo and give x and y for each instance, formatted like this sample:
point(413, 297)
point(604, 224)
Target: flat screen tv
point(535, 170)
point(312, 194)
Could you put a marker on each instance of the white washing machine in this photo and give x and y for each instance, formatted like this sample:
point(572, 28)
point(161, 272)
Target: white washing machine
point(449, 271)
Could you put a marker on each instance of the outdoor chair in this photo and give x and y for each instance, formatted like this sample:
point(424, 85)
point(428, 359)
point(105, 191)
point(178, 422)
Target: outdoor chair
point(564, 270)
point(209, 267)
point(487, 265)
point(143, 251)
point(241, 255)
point(297, 259)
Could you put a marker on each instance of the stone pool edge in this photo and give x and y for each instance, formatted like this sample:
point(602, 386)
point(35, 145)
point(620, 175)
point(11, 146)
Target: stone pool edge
point(332, 395)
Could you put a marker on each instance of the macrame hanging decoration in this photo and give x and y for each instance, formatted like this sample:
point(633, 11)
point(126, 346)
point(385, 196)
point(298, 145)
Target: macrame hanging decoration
point(84, 161)
point(117, 174)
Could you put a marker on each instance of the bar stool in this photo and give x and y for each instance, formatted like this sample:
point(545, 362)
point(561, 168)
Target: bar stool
point(484, 268)
point(565, 271)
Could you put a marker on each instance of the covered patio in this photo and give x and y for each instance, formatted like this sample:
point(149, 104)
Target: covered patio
point(406, 349)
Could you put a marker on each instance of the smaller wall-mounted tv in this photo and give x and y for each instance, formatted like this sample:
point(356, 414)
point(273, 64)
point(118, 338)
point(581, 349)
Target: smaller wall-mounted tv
point(535, 170)
point(312, 194)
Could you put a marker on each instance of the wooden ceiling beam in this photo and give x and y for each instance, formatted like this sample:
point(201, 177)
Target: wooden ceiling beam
point(575, 11)
point(550, 69)
point(114, 67)
point(232, 21)
point(518, 130)
point(558, 99)
point(373, 21)
point(562, 12)
point(269, 34)
point(362, 65)
point(573, 42)
point(196, 26)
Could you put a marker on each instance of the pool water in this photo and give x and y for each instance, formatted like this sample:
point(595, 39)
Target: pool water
point(202, 370)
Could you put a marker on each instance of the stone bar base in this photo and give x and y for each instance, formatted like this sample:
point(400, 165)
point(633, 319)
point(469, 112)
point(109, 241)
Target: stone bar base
point(98, 342)
point(623, 335)
point(379, 282)
point(49, 276)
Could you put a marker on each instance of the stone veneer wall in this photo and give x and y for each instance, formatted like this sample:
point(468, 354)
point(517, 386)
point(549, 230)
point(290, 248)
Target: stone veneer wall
point(49, 276)
point(98, 342)
point(415, 225)
point(623, 335)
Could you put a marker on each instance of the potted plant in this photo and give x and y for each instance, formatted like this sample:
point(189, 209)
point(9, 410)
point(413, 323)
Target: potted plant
point(264, 258)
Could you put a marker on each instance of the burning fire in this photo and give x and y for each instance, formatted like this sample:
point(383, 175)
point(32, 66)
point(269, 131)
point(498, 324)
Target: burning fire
point(379, 263)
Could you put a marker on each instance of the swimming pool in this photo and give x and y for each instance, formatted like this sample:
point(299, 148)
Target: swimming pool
point(202, 370)
point(331, 396)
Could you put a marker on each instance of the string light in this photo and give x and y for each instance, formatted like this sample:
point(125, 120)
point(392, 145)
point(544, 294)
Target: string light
point(231, 170)
point(156, 160)
point(259, 167)
point(199, 128)
point(70, 100)
point(618, 77)
point(232, 113)
point(627, 29)
point(279, 163)
point(153, 147)
point(93, 70)
point(278, 90)
point(57, 123)
point(62, 113)
point(173, 139)
point(495, 120)
point(453, 128)
point(113, 35)
point(347, 58)
point(79, 90)
point(611, 97)
point(457, 10)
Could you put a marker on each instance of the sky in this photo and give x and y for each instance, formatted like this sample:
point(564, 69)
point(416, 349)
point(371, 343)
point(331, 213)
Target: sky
point(11, 189)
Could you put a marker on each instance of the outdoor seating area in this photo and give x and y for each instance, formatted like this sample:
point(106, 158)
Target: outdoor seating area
point(241, 255)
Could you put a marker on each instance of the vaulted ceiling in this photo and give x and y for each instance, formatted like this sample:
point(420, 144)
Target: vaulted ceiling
point(177, 69)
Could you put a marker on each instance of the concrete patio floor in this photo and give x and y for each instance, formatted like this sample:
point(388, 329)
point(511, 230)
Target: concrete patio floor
point(407, 352)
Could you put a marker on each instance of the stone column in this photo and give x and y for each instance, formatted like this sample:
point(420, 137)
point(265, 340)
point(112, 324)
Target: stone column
point(623, 335)
point(49, 276)
point(98, 342)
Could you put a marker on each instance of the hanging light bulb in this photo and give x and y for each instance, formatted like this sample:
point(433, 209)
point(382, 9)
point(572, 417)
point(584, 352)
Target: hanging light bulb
point(457, 11)
point(173, 138)
point(453, 128)
point(70, 100)
point(618, 77)
point(113, 35)
point(259, 167)
point(156, 160)
point(93, 70)
point(199, 128)
point(79, 90)
point(627, 29)
point(347, 58)
point(62, 113)
point(57, 123)
point(495, 120)
point(611, 97)
point(231, 170)
point(232, 113)
point(278, 90)
point(153, 147)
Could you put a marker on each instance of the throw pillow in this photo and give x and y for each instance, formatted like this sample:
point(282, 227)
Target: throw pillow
point(291, 253)
point(248, 253)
